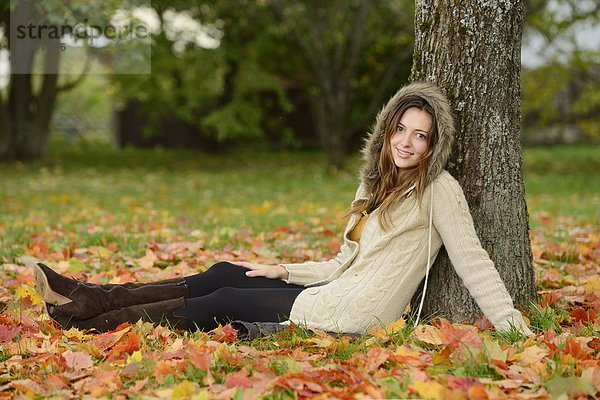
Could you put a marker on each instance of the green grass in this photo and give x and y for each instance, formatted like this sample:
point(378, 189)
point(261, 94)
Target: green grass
point(563, 181)
point(96, 196)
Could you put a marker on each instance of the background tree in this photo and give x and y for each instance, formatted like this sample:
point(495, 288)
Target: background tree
point(210, 84)
point(333, 38)
point(560, 90)
point(226, 92)
point(472, 50)
point(29, 101)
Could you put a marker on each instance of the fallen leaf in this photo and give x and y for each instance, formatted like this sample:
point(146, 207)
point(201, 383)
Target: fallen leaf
point(493, 350)
point(8, 333)
point(29, 293)
point(148, 260)
point(199, 358)
point(571, 385)
point(78, 360)
point(238, 379)
point(29, 387)
point(135, 357)
point(428, 334)
point(184, 390)
point(428, 390)
point(531, 355)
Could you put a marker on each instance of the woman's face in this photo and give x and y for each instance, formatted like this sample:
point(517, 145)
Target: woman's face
point(408, 142)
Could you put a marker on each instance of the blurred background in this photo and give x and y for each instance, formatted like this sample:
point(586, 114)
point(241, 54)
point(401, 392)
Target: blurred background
point(272, 75)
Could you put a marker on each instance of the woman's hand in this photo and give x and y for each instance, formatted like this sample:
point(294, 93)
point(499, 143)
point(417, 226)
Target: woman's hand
point(267, 271)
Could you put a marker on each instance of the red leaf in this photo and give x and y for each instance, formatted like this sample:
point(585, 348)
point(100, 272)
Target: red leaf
point(573, 347)
point(300, 383)
point(198, 358)
point(580, 314)
point(594, 344)
point(78, 360)
point(8, 333)
point(549, 298)
point(225, 334)
point(477, 392)
point(238, 379)
point(128, 347)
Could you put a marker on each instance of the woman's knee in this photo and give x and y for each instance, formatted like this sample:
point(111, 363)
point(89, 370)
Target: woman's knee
point(224, 264)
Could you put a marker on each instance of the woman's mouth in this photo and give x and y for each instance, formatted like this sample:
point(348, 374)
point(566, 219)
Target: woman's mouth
point(403, 153)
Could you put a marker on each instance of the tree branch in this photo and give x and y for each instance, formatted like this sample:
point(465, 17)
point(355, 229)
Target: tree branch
point(376, 99)
point(79, 79)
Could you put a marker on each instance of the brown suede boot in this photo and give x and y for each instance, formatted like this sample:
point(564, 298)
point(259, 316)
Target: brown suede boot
point(162, 312)
point(81, 300)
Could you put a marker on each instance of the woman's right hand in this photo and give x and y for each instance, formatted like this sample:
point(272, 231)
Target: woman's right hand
point(264, 270)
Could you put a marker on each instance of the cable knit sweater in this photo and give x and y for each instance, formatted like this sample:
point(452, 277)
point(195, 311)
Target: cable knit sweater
point(371, 282)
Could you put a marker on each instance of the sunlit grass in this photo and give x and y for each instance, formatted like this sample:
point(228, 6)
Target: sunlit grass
point(95, 196)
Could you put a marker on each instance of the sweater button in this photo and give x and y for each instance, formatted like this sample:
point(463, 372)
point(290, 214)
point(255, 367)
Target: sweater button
point(313, 291)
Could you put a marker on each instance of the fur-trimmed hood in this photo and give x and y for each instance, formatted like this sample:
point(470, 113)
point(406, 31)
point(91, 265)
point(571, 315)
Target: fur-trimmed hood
point(445, 125)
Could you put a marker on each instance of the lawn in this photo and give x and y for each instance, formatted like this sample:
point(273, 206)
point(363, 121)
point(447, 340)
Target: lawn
point(112, 216)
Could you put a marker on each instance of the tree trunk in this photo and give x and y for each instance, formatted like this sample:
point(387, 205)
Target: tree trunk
point(25, 118)
point(5, 136)
point(471, 49)
point(45, 102)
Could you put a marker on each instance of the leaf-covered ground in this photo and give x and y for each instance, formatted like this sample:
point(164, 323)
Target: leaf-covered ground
point(117, 217)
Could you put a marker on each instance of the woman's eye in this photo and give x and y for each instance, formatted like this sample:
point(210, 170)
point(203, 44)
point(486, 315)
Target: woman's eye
point(399, 128)
point(420, 136)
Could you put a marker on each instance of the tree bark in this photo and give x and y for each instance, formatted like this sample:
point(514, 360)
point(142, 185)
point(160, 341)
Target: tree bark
point(471, 49)
point(45, 103)
point(25, 117)
point(5, 137)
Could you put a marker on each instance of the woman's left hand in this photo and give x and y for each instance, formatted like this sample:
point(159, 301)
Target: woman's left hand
point(264, 270)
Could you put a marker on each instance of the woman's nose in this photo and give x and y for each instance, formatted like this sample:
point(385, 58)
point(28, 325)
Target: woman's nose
point(405, 140)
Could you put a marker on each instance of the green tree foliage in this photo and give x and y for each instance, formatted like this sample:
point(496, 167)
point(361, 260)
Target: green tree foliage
point(214, 87)
point(563, 92)
point(345, 56)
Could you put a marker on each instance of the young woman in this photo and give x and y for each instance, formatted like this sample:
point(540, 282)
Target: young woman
point(406, 207)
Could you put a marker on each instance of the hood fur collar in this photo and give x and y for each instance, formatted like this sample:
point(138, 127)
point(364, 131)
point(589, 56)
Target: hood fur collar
point(445, 125)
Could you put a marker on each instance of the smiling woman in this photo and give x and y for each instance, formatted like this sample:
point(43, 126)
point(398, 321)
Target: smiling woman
point(410, 140)
point(406, 207)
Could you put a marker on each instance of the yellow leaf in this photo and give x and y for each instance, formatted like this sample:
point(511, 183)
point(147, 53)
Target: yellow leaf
point(593, 285)
point(27, 291)
point(136, 356)
point(76, 265)
point(395, 326)
point(322, 342)
point(406, 351)
point(428, 390)
point(428, 334)
point(148, 260)
point(493, 350)
point(203, 395)
point(389, 329)
point(184, 390)
point(76, 334)
point(531, 355)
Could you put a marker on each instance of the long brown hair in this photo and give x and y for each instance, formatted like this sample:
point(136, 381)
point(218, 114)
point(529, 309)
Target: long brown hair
point(392, 181)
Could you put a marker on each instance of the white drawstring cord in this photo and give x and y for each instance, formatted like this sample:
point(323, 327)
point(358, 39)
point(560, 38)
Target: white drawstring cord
point(428, 255)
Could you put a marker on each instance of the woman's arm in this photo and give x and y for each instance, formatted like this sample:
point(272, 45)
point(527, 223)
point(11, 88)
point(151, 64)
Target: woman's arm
point(454, 223)
point(308, 272)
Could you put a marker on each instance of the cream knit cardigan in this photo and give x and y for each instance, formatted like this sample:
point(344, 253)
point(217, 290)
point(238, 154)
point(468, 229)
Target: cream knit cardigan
point(371, 282)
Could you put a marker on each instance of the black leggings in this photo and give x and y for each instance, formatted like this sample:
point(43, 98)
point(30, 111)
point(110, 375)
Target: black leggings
point(224, 293)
